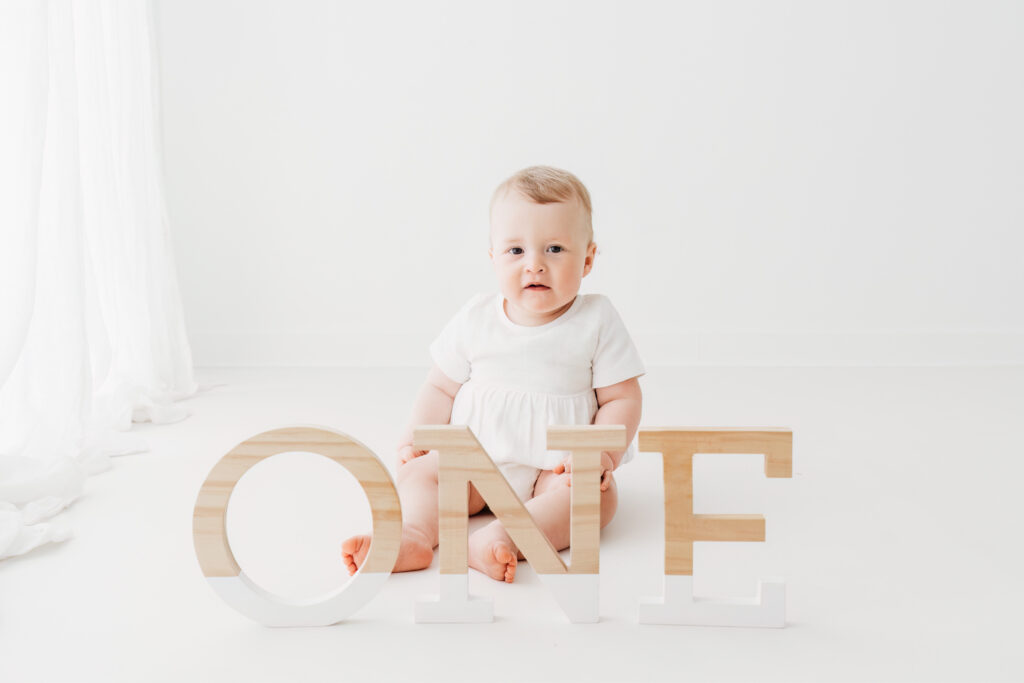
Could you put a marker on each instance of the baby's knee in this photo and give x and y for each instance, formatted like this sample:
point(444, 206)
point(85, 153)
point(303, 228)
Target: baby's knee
point(423, 467)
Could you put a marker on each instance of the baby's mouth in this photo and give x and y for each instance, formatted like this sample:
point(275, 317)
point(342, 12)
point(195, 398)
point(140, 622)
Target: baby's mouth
point(536, 287)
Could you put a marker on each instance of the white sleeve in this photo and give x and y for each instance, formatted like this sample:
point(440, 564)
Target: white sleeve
point(449, 350)
point(616, 358)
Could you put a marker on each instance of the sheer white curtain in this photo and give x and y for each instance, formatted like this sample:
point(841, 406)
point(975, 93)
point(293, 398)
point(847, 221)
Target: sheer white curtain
point(92, 335)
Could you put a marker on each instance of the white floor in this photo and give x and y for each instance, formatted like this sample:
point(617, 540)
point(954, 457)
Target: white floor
point(899, 537)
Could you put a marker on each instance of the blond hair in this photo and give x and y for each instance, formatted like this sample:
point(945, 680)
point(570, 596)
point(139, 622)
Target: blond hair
point(545, 185)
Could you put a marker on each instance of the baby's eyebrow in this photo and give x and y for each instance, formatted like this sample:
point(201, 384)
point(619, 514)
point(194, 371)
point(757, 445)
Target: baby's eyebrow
point(517, 242)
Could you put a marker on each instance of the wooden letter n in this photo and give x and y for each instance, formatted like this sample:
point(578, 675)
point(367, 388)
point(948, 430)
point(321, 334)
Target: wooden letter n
point(463, 461)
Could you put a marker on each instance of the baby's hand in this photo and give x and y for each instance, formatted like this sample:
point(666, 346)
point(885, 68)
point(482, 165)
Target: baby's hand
point(607, 465)
point(407, 453)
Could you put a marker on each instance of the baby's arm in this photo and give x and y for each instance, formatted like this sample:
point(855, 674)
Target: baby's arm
point(433, 406)
point(620, 404)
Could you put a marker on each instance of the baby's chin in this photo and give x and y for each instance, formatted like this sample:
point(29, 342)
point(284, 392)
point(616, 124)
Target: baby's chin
point(543, 303)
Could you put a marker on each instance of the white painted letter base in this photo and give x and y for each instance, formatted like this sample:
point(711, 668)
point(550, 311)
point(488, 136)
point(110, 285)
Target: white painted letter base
point(454, 605)
point(576, 594)
point(251, 600)
point(766, 610)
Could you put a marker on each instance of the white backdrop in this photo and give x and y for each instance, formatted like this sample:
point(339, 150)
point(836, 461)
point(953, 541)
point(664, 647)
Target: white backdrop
point(785, 182)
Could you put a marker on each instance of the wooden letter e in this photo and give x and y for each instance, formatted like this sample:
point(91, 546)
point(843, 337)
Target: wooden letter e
point(683, 528)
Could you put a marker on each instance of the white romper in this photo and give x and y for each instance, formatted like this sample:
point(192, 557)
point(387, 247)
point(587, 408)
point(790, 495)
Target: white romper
point(516, 380)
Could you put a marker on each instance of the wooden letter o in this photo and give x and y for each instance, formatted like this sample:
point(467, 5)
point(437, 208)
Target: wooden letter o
point(218, 564)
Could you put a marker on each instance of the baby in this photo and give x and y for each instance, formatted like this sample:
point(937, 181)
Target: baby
point(537, 354)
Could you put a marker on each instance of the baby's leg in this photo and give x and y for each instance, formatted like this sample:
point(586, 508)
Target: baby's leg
point(417, 492)
point(550, 509)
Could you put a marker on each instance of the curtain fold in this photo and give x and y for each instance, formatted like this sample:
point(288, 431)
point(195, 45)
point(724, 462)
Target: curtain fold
point(93, 334)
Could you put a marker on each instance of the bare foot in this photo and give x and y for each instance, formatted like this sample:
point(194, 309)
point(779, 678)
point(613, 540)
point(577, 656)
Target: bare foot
point(414, 553)
point(353, 552)
point(496, 558)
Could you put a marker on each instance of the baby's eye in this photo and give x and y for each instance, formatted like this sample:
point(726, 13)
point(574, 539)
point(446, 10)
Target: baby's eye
point(555, 249)
point(515, 250)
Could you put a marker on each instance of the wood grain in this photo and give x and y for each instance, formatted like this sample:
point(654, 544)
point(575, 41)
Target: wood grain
point(209, 515)
point(464, 460)
point(678, 445)
point(586, 443)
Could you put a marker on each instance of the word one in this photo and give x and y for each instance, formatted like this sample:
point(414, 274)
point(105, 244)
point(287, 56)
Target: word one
point(462, 461)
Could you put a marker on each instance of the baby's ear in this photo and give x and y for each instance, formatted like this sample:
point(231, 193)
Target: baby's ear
point(588, 262)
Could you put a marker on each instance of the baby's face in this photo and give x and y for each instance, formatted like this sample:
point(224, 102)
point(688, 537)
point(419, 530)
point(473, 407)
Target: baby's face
point(540, 254)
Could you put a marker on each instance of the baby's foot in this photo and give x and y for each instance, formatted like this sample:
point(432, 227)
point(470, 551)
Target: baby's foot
point(353, 552)
point(414, 553)
point(494, 557)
